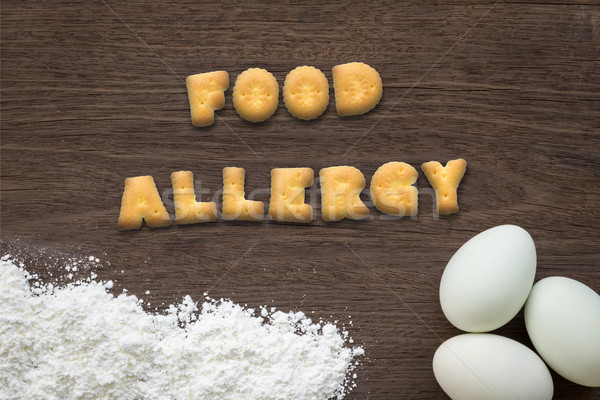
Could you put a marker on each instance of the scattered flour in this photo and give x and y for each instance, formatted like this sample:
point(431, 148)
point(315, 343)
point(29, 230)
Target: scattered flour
point(78, 341)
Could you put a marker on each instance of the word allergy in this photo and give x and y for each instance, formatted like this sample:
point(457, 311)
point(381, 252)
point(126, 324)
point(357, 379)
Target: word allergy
point(392, 192)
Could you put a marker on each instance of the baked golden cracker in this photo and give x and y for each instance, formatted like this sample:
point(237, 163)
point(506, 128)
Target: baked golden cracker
point(141, 202)
point(306, 92)
point(392, 191)
point(445, 181)
point(340, 193)
point(235, 205)
point(357, 87)
point(187, 209)
point(206, 93)
point(256, 95)
point(287, 194)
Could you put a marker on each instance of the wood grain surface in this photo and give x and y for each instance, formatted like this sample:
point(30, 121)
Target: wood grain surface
point(93, 92)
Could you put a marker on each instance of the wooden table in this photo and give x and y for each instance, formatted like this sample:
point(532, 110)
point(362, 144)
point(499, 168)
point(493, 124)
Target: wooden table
point(93, 92)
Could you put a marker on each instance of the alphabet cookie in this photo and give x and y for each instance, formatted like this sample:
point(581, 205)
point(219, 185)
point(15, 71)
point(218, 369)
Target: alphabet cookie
point(187, 209)
point(306, 92)
point(287, 194)
point(392, 191)
point(256, 95)
point(340, 193)
point(206, 93)
point(358, 88)
point(235, 205)
point(141, 202)
point(445, 181)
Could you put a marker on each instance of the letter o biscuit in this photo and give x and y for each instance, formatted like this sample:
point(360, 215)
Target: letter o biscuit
point(306, 92)
point(256, 95)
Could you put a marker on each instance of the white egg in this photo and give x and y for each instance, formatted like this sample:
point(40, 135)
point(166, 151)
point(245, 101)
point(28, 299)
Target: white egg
point(488, 279)
point(483, 366)
point(562, 317)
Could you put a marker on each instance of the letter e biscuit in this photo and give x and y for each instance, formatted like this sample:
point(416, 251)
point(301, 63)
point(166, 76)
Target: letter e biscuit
point(287, 194)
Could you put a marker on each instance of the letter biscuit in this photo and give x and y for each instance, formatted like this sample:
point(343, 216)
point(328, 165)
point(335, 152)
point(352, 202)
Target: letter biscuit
point(445, 181)
point(357, 87)
point(141, 202)
point(287, 194)
point(340, 193)
point(306, 92)
point(206, 93)
point(235, 206)
point(256, 95)
point(392, 191)
point(187, 209)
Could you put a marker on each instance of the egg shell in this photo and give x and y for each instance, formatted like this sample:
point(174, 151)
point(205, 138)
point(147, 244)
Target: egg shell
point(487, 280)
point(562, 317)
point(483, 366)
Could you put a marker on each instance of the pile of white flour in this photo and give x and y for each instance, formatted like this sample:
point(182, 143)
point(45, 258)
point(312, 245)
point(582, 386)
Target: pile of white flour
point(81, 342)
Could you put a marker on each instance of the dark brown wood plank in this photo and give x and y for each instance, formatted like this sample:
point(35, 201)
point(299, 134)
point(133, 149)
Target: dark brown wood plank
point(93, 92)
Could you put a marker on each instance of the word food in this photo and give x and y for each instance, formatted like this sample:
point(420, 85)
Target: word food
point(357, 87)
